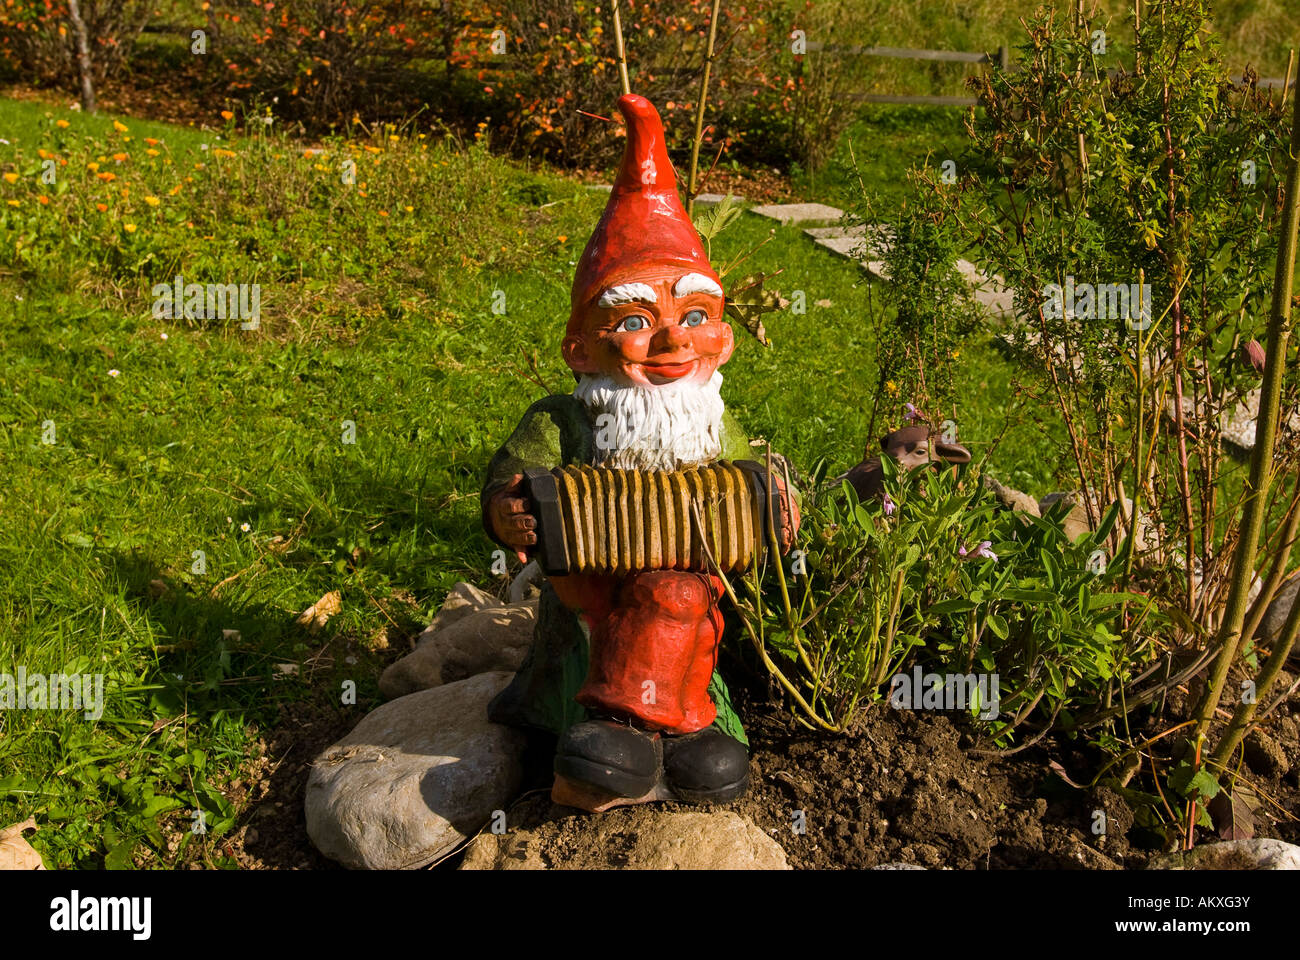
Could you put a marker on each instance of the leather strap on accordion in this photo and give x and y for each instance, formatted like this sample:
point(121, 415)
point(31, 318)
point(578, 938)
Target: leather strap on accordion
point(601, 520)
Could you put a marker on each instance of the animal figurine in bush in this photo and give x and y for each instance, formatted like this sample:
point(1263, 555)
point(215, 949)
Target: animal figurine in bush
point(622, 668)
point(913, 447)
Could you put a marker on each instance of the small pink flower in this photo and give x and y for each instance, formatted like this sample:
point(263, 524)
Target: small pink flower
point(889, 505)
point(910, 414)
point(982, 551)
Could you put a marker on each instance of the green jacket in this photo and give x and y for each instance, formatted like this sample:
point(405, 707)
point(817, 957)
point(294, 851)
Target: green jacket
point(557, 431)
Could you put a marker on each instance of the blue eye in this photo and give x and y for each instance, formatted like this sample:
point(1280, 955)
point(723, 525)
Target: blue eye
point(633, 323)
point(694, 318)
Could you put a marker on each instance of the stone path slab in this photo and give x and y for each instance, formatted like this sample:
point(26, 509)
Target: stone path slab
point(799, 214)
point(713, 199)
point(818, 233)
point(844, 246)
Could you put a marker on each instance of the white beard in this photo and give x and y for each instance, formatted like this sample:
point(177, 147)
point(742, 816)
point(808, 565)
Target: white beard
point(666, 427)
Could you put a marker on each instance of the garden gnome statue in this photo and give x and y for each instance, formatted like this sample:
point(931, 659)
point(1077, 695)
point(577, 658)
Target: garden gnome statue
point(622, 668)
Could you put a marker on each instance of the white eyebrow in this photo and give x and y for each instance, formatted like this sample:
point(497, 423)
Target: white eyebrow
point(627, 293)
point(696, 283)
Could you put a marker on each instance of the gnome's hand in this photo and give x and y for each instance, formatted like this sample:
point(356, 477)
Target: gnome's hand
point(789, 514)
point(511, 522)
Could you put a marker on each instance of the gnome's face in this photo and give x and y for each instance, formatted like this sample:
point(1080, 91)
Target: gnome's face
point(665, 326)
point(646, 305)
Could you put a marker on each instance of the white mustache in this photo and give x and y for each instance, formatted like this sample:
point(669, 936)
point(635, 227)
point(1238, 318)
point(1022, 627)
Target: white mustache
point(654, 428)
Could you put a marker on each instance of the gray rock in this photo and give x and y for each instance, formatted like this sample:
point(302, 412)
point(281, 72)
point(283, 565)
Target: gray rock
point(1279, 608)
point(462, 600)
point(1075, 523)
point(1010, 498)
point(417, 777)
point(718, 840)
point(898, 866)
point(1265, 755)
point(1258, 853)
point(482, 640)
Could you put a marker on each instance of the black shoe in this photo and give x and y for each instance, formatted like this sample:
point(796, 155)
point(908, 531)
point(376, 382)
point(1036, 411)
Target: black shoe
point(609, 756)
point(707, 765)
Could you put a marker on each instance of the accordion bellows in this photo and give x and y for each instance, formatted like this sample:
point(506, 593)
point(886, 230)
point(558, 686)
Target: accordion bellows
point(615, 521)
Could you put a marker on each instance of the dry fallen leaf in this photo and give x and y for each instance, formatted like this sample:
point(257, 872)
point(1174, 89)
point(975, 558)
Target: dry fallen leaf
point(15, 852)
point(318, 614)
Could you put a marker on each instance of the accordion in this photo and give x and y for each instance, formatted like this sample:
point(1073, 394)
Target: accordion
point(615, 521)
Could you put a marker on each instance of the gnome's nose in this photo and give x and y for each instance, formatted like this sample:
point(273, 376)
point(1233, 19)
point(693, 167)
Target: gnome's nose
point(673, 337)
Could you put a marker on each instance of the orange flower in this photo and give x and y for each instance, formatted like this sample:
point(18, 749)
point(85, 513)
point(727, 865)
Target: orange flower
point(120, 127)
point(227, 115)
point(151, 152)
point(43, 200)
point(174, 190)
point(562, 238)
point(107, 177)
point(101, 207)
point(223, 153)
point(151, 141)
point(120, 157)
point(383, 213)
point(60, 123)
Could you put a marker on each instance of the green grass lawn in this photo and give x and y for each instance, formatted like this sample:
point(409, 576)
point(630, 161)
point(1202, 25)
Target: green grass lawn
point(172, 437)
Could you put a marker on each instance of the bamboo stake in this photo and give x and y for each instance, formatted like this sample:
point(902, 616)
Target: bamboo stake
point(1228, 638)
point(622, 52)
point(699, 110)
point(1286, 80)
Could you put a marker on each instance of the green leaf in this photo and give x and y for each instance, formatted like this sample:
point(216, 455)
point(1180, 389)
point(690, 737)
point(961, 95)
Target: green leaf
point(1107, 523)
point(1101, 600)
point(156, 805)
point(711, 221)
point(958, 605)
point(1029, 596)
point(119, 856)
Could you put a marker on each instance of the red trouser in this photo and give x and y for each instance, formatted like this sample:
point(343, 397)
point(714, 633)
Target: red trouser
point(654, 642)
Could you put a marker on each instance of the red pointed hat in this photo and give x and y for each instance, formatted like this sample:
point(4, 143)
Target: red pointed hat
point(644, 224)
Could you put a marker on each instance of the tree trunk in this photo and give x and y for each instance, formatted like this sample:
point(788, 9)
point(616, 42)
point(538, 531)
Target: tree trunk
point(83, 56)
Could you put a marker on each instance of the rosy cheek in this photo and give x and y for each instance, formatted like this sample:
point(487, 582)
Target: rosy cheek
point(710, 340)
point(627, 344)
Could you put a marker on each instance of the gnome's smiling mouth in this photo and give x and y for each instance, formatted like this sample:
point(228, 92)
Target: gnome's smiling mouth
point(667, 372)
